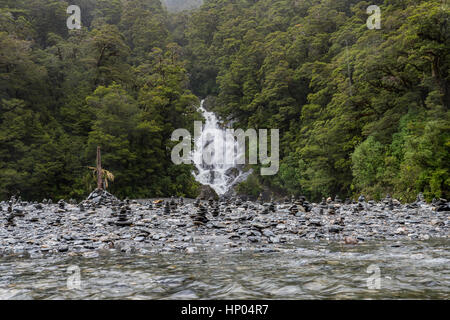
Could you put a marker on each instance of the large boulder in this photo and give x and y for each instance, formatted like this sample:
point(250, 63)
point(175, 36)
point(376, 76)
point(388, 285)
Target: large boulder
point(232, 173)
point(206, 192)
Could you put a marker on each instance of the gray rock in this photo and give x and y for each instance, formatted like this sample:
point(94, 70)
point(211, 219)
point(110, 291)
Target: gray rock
point(206, 192)
point(335, 229)
point(63, 248)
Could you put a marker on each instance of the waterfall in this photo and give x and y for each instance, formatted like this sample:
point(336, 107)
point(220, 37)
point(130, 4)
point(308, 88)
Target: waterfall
point(220, 171)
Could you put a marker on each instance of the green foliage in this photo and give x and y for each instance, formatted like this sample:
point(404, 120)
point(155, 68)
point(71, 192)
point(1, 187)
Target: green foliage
point(368, 165)
point(358, 110)
point(339, 92)
point(421, 153)
point(251, 186)
point(119, 83)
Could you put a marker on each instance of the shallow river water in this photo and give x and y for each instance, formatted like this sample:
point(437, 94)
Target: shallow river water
point(405, 270)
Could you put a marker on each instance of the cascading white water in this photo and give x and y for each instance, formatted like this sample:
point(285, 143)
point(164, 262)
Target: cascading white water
point(220, 170)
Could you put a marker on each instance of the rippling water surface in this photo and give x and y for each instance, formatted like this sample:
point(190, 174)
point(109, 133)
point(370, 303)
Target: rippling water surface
point(416, 270)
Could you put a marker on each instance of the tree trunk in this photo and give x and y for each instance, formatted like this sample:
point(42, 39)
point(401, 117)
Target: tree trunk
point(99, 170)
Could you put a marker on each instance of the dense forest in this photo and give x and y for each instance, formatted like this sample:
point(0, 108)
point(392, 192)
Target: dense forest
point(119, 82)
point(359, 110)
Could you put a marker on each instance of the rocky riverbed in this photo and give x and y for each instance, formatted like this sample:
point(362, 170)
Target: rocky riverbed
point(104, 224)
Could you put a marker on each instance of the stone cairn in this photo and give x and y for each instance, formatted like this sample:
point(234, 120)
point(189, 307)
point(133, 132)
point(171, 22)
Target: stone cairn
point(197, 203)
point(10, 220)
point(18, 211)
point(200, 217)
point(61, 205)
point(216, 210)
point(227, 207)
point(35, 217)
point(308, 206)
point(102, 197)
point(388, 202)
point(420, 200)
point(167, 208)
point(297, 206)
point(360, 205)
point(265, 209)
point(211, 202)
point(293, 209)
point(122, 220)
point(173, 204)
point(10, 217)
point(272, 206)
point(332, 205)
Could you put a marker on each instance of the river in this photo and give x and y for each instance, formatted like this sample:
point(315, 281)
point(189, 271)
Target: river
point(305, 270)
